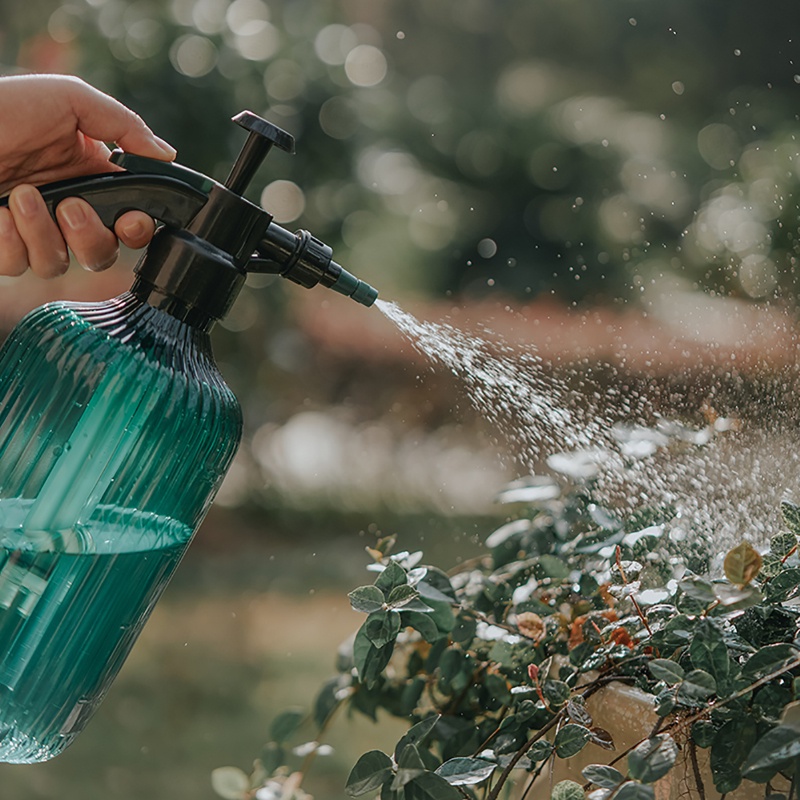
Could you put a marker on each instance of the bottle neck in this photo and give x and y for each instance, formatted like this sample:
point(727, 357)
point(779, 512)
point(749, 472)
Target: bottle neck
point(188, 278)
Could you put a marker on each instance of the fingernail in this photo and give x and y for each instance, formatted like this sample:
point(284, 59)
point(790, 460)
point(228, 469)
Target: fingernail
point(73, 215)
point(27, 200)
point(133, 230)
point(165, 147)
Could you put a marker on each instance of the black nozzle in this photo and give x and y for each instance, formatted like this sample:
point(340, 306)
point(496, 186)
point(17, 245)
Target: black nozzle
point(307, 261)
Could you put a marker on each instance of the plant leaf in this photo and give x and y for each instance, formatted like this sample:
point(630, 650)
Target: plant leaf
point(772, 751)
point(392, 577)
point(791, 516)
point(709, 652)
point(382, 627)
point(230, 783)
point(466, 771)
point(602, 775)
point(366, 599)
point(767, 660)
point(402, 595)
point(742, 564)
point(286, 723)
point(371, 771)
point(429, 786)
point(415, 735)
point(568, 790)
point(662, 669)
point(571, 739)
point(696, 687)
point(633, 790)
point(653, 758)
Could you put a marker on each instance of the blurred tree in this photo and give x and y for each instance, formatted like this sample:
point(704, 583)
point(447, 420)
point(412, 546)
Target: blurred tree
point(570, 147)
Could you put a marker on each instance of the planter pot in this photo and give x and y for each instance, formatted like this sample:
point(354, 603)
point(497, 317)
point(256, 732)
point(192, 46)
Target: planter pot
point(628, 715)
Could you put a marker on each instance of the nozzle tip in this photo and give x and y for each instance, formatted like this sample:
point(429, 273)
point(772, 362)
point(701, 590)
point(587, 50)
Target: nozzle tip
point(354, 288)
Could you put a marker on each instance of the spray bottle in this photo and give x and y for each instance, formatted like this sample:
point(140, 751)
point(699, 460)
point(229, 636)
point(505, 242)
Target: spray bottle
point(116, 430)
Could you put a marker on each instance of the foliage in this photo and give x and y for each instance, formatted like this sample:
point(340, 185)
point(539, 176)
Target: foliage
point(493, 663)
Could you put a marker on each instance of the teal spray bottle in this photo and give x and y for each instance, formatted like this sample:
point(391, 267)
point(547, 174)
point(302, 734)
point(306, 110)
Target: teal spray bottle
point(116, 430)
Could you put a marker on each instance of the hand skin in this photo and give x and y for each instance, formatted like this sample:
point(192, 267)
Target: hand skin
point(54, 127)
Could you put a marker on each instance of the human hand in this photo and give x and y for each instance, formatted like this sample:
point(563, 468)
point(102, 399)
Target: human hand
point(54, 127)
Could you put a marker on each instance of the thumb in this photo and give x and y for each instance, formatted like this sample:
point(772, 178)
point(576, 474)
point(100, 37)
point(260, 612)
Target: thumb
point(105, 119)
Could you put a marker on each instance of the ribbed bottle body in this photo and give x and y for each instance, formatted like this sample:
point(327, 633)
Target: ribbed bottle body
point(116, 430)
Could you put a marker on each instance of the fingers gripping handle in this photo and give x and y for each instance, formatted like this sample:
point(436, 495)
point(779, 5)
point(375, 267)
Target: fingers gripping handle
point(164, 198)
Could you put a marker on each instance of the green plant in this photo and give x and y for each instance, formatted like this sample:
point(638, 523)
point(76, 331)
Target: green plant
point(492, 664)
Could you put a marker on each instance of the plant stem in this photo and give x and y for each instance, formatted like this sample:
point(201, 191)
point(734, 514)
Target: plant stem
point(698, 778)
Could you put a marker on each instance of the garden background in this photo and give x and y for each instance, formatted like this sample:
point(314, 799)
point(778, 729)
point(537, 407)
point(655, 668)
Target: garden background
point(614, 185)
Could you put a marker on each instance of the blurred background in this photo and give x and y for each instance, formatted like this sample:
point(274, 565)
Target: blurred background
point(614, 185)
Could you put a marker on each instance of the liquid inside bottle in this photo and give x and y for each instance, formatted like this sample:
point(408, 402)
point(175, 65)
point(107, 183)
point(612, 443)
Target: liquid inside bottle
point(115, 432)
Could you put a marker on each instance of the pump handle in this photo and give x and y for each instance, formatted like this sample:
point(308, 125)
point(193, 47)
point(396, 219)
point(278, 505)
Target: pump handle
point(111, 194)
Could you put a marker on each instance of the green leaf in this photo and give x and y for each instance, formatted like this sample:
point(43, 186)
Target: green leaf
point(382, 627)
point(366, 599)
point(703, 733)
point(540, 750)
point(709, 652)
point(632, 790)
point(662, 669)
point(423, 624)
point(767, 660)
point(742, 564)
point(409, 766)
point(230, 783)
point(571, 739)
point(286, 723)
point(369, 660)
point(698, 589)
point(603, 776)
point(415, 735)
point(466, 771)
point(402, 595)
point(783, 586)
point(548, 566)
point(791, 516)
point(568, 790)
point(371, 771)
point(653, 758)
point(429, 786)
point(775, 749)
point(392, 577)
point(556, 692)
point(695, 688)
point(783, 543)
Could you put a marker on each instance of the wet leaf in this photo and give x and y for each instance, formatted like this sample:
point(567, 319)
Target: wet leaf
point(775, 749)
point(768, 660)
point(571, 739)
point(695, 688)
point(366, 599)
point(392, 577)
point(698, 589)
point(466, 771)
point(602, 775)
point(709, 652)
point(662, 669)
point(429, 786)
point(402, 597)
point(783, 543)
point(742, 564)
point(382, 627)
point(577, 712)
point(416, 735)
point(633, 790)
point(791, 516)
point(371, 771)
point(602, 738)
point(653, 758)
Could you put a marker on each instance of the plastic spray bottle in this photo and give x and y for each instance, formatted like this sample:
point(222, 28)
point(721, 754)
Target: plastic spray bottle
point(116, 430)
